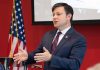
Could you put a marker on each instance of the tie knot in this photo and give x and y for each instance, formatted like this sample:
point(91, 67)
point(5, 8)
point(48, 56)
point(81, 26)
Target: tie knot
point(59, 33)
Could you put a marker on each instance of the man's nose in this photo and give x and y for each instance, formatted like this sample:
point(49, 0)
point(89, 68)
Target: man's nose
point(55, 16)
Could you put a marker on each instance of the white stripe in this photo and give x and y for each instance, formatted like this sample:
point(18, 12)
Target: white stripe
point(15, 68)
point(14, 43)
point(21, 68)
point(21, 45)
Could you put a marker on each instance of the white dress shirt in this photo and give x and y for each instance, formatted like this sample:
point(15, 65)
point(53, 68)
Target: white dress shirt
point(61, 35)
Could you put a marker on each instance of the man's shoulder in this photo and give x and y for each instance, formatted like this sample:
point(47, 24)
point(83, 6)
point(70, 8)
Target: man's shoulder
point(52, 31)
point(78, 34)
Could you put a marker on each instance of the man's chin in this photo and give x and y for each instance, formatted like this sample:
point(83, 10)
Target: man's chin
point(56, 26)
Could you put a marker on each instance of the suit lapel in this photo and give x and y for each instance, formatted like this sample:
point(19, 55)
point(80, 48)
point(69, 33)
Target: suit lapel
point(52, 34)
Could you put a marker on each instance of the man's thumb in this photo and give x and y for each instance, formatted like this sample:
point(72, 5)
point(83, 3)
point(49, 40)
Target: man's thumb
point(45, 49)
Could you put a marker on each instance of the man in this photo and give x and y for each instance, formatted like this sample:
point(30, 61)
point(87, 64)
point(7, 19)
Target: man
point(65, 54)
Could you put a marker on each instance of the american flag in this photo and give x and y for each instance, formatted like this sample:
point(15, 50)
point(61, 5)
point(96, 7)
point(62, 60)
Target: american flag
point(17, 33)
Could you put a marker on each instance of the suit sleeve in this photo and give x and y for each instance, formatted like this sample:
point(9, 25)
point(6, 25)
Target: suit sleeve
point(31, 56)
point(74, 60)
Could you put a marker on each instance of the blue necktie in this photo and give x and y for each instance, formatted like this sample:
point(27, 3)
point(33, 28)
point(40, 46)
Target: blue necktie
point(54, 44)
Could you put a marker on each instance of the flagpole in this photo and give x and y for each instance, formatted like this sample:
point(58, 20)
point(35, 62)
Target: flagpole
point(11, 51)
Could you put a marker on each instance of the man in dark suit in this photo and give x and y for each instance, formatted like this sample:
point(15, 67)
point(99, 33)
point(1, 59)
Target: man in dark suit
point(59, 52)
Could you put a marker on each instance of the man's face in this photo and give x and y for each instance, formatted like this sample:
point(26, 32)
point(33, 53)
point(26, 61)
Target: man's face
point(60, 19)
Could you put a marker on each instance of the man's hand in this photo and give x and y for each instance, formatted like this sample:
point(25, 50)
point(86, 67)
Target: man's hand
point(45, 56)
point(95, 67)
point(22, 55)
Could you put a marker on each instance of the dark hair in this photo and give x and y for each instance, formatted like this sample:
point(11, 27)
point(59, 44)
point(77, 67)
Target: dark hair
point(68, 8)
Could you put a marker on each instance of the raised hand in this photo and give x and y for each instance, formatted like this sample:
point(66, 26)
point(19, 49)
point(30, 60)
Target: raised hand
point(22, 55)
point(45, 56)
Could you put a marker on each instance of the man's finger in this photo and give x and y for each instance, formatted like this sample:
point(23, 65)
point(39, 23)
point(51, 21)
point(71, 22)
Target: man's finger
point(35, 57)
point(40, 61)
point(16, 60)
point(16, 54)
point(39, 54)
point(19, 61)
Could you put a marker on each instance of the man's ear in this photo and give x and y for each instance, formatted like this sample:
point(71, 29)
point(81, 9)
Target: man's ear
point(69, 16)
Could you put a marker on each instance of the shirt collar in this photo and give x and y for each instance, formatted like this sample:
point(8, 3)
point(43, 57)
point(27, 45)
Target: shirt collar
point(64, 31)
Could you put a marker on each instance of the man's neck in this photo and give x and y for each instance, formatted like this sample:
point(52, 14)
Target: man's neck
point(64, 27)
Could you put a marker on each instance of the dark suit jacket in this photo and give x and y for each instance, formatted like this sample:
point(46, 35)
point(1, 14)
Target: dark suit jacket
point(68, 54)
